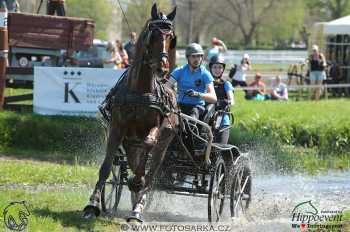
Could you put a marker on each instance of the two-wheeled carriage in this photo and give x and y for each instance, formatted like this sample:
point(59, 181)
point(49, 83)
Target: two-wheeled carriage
point(219, 172)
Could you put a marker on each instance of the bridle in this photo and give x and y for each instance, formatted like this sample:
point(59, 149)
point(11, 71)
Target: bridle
point(166, 30)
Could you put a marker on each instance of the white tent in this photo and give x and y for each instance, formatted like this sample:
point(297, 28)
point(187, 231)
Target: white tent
point(338, 26)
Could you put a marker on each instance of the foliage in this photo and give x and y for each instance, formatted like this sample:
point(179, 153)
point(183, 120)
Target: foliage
point(320, 126)
point(281, 33)
point(321, 129)
point(100, 11)
point(139, 11)
point(329, 9)
point(66, 134)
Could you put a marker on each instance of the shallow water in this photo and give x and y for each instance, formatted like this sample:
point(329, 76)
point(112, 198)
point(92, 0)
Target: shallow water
point(274, 198)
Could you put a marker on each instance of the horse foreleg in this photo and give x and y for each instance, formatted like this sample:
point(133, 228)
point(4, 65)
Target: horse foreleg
point(114, 140)
point(158, 152)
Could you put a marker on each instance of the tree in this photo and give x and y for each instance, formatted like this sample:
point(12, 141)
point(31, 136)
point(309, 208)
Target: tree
point(194, 19)
point(283, 25)
point(329, 9)
point(139, 11)
point(246, 15)
point(100, 11)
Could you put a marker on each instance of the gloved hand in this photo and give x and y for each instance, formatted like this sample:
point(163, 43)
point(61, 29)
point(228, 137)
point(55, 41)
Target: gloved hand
point(193, 93)
point(222, 104)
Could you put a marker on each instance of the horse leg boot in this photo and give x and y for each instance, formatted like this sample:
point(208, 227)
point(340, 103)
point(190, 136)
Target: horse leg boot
point(151, 138)
point(136, 185)
point(92, 209)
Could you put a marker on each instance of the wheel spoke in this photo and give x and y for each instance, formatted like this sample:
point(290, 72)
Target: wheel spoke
point(222, 176)
point(217, 191)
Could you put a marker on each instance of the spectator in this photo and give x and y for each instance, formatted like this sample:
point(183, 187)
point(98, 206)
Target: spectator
point(112, 58)
point(12, 6)
point(56, 6)
point(217, 47)
point(258, 91)
point(122, 60)
point(239, 73)
point(279, 91)
point(317, 66)
point(130, 47)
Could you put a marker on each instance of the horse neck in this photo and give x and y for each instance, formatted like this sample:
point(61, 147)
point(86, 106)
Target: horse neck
point(141, 79)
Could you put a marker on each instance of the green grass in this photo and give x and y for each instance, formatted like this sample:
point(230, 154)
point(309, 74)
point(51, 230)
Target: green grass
point(14, 92)
point(303, 136)
point(318, 133)
point(13, 171)
point(55, 194)
point(50, 162)
point(52, 210)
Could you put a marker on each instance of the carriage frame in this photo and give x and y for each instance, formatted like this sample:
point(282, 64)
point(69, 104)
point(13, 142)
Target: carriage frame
point(221, 172)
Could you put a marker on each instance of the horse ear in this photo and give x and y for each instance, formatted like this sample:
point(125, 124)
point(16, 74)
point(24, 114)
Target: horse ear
point(154, 11)
point(171, 16)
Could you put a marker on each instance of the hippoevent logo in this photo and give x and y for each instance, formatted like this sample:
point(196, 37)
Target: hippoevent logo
point(306, 216)
point(16, 216)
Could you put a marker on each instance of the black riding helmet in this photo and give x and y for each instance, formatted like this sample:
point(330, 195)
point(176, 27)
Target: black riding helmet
point(217, 59)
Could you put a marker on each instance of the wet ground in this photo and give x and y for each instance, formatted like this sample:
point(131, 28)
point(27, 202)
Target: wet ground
point(274, 198)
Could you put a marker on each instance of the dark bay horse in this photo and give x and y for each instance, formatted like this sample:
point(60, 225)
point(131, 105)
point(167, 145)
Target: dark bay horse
point(143, 112)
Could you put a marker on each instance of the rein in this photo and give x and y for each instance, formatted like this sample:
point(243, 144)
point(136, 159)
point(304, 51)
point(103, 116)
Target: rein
point(159, 99)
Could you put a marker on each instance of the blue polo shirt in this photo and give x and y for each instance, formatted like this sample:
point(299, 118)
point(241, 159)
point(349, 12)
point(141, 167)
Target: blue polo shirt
point(226, 118)
point(197, 80)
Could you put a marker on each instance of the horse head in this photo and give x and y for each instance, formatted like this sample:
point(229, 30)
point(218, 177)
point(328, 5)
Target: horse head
point(159, 38)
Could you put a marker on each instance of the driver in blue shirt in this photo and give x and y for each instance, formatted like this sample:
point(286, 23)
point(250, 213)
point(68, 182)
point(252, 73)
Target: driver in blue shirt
point(194, 83)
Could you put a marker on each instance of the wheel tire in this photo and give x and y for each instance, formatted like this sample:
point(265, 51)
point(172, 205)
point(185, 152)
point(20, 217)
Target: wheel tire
point(112, 191)
point(240, 198)
point(217, 189)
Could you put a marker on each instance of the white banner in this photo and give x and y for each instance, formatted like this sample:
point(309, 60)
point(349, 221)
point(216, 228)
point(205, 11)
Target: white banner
point(71, 91)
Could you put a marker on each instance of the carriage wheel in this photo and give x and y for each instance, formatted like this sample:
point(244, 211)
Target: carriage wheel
point(112, 190)
point(240, 196)
point(217, 189)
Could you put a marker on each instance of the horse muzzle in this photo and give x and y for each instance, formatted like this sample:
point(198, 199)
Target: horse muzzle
point(164, 66)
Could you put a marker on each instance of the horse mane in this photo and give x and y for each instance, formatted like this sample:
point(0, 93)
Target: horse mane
point(140, 49)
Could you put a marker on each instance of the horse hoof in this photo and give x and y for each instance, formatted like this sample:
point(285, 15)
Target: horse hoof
point(91, 211)
point(135, 218)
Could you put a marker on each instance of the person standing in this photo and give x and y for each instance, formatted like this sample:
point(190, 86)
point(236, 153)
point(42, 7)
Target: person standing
point(239, 77)
point(56, 6)
point(218, 46)
point(12, 6)
point(112, 58)
point(122, 56)
point(130, 47)
point(317, 67)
